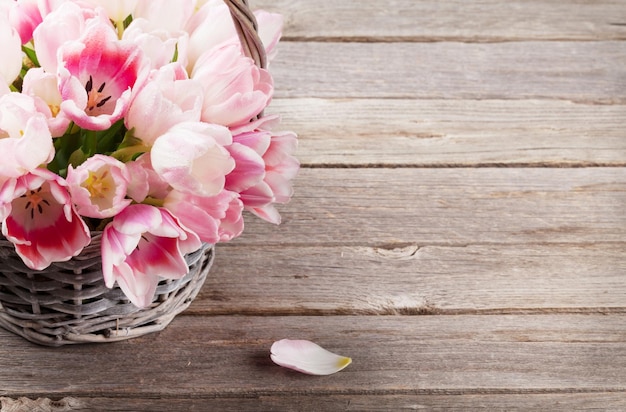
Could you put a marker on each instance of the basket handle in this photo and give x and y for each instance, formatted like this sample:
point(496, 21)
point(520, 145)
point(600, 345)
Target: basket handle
point(247, 29)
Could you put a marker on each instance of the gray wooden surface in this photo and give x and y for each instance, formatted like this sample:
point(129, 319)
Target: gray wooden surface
point(458, 228)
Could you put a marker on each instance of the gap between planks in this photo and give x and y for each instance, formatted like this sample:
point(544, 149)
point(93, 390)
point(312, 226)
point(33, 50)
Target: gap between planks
point(473, 165)
point(438, 39)
point(408, 312)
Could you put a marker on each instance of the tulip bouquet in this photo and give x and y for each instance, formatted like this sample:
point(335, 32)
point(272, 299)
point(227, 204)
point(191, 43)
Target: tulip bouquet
point(139, 119)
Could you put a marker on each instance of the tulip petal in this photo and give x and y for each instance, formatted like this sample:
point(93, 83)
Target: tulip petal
point(307, 357)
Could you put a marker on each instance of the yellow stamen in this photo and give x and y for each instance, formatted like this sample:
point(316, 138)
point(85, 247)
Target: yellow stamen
point(54, 109)
point(98, 185)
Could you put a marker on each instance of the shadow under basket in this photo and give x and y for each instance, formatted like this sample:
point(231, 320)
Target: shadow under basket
point(68, 302)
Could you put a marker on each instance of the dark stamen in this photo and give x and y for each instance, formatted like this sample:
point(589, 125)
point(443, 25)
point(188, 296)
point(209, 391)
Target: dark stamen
point(89, 85)
point(103, 101)
point(101, 87)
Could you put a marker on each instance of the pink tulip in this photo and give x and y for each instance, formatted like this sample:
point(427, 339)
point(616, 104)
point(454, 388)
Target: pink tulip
point(98, 186)
point(160, 46)
point(39, 219)
point(232, 224)
point(43, 88)
point(276, 150)
point(25, 141)
point(158, 28)
point(10, 51)
point(141, 245)
point(63, 22)
point(215, 218)
point(191, 157)
point(249, 165)
point(210, 27)
point(144, 181)
point(24, 17)
point(235, 89)
point(167, 99)
point(116, 10)
point(165, 15)
point(4, 88)
point(97, 75)
point(48, 6)
point(270, 30)
point(138, 186)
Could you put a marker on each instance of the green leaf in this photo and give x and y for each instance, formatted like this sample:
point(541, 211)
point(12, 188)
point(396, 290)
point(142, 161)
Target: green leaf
point(64, 147)
point(90, 142)
point(130, 139)
point(32, 56)
point(77, 158)
point(128, 20)
point(175, 58)
point(110, 139)
point(130, 152)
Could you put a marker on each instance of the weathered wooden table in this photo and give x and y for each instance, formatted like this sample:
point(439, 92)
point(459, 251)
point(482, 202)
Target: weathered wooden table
point(458, 228)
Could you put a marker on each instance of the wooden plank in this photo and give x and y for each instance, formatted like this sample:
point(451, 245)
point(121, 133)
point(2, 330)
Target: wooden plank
point(411, 280)
point(589, 72)
point(615, 401)
point(432, 20)
point(454, 132)
point(396, 207)
point(202, 357)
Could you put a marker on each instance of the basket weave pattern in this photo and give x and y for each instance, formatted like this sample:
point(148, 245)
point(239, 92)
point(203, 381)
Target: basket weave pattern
point(68, 302)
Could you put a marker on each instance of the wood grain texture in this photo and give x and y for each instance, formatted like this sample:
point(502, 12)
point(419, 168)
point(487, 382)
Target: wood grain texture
point(412, 280)
point(588, 72)
point(611, 401)
point(454, 230)
point(377, 207)
point(438, 133)
point(457, 20)
point(392, 355)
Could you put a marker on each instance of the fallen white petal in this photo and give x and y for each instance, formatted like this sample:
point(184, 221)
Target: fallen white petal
point(307, 357)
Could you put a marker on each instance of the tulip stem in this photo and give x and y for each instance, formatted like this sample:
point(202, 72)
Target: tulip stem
point(153, 202)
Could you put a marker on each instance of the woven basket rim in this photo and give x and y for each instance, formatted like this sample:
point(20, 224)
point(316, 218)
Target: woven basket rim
point(248, 31)
point(47, 317)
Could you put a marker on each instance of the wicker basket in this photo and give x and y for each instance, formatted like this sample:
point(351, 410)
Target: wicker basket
point(68, 303)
